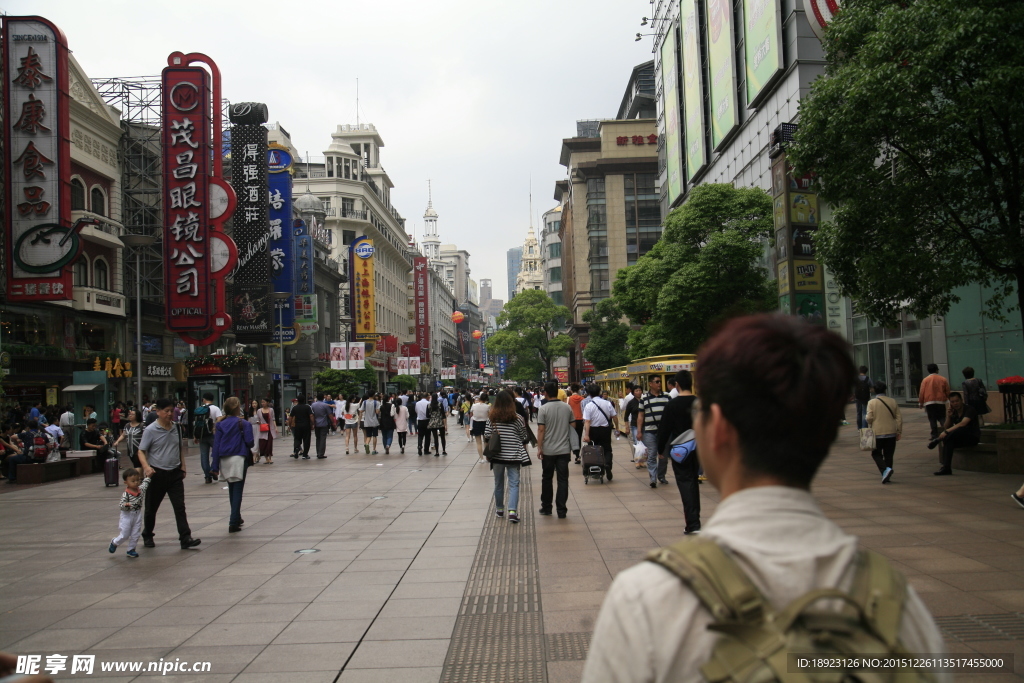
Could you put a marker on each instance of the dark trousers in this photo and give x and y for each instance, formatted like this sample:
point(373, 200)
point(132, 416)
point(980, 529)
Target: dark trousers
point(602, 436)
point(862, 414)
point(439, 433)
point(235, 489)
point(401, 439)
point(689, 490)
point(936, 417)
point(885, 448)
point(301, 437)
point(170, 483)
point(551, 465)
point(579, 433)
point(422, 434)
point(956, 439)
point(13, 462)
point(321, 441)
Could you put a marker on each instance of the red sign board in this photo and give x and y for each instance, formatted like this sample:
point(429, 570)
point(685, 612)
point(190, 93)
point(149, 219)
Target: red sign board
point(41, 243)
point(421, 281)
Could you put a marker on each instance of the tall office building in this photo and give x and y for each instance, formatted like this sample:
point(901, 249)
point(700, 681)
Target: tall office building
point(513, 260)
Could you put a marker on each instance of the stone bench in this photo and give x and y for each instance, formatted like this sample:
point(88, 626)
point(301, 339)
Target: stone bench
point(1000, 451)
point(37, 473)
point(86, 461)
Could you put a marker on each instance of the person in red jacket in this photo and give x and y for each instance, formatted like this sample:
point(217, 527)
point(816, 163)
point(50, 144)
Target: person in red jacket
point(932, 397)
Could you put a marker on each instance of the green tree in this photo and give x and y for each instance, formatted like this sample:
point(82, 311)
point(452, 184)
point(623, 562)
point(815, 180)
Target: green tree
point(344, 382)
point(406, 382)
point(916, 135)
point(530, 334)
point(609, 336)
point(702, 271)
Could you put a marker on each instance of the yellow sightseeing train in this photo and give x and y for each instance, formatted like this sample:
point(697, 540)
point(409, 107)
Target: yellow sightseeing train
point(614, 380)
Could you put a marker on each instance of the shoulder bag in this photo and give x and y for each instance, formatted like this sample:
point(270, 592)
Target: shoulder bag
point(493, 446)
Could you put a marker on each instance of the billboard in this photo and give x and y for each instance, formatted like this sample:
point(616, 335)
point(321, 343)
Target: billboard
point(721, 69)
point(339, 356)
point(421, 284)
point(673, 134)
point(356, 355)
point(40, 241)
point(364, 289)
point(282, 238)
point(693, 93)
point(762, 46)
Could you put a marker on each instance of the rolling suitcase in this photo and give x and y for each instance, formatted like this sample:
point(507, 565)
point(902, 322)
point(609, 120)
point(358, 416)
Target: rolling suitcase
point(110, 470)
point(592, 456)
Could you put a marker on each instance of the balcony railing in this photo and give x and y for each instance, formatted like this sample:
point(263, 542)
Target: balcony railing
point(352, 213)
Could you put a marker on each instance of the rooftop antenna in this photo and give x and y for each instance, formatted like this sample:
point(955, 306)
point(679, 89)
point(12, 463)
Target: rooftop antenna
point(357, 103)
point(307, 170)
point(531, 200)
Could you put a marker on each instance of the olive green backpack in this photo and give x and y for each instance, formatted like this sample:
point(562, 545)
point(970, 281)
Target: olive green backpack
point(758, 644)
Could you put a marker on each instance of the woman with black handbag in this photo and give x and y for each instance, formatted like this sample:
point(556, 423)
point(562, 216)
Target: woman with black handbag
point(510, 454)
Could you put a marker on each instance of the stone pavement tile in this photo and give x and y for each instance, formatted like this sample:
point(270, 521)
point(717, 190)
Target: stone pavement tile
point(251, 569)
point(572, 601)
point(350, 609)
point(211, 597)
point(296, 593)
point(58, 639)
point(421, 607)
point(302, 657)
point(949, 565)
point(572, 584)
point(333, 631)
point(616, 566)
point(434, 575)
point(232, 633)
point(66, 601)
point(348, 591)
point(446, 552)
point(93, 617)
point(179, 615)
point(920, 552)
point(276, 677)
point(378, 565)
point(954, 602)
point(560, 569)
point(368, 578)
point(985, 581)
point(384, 654)
point(223, 659)
point(565, 672)
point(443, 589)
point(411, 628)
point(136, 636)
point(1012, 600)
point(427, 674)
point(10, 636)
point(441, 563)
point(570, 621)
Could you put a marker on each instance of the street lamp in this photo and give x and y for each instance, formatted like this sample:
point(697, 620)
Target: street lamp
point(278, 297)
point(138, 243)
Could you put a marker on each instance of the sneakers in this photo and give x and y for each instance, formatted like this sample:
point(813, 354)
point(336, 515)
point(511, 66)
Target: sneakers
point(561, 515)
point(654, 484)
point(609, 472)
point(695, 532)
point(513, 516)
point(1017, 499)
point(190, 543)
point(499, 512)
point(295, 455)
point(113, 548)
point(663, 480)
point(886, 475)
point(943, 472)
point(132, 553)
point(305, 457)
point(546, 513)
point(148, 542)
point(367, 449)
point(702, 478)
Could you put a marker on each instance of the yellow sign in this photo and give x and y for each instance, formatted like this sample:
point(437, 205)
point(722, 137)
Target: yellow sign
point(803, 208)
point(779, 212)
point(114, 367)
point(363, 287)
point(784, 278)
point(807, 276)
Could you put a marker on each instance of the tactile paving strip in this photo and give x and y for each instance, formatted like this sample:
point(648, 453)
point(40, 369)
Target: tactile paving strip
point(567, 647)
point(969, 628)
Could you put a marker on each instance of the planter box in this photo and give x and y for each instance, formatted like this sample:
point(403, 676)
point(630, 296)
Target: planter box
point(999, 452)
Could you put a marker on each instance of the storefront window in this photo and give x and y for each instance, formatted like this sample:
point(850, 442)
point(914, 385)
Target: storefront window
point(860, 330)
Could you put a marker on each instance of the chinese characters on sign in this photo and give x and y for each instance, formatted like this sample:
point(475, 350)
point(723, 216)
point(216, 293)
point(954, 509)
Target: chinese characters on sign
point(363, 290)
point(282, 262)
point(421, 281)
point(40, 242)
point(303, 264)
point(114, 367)
point(651, 139)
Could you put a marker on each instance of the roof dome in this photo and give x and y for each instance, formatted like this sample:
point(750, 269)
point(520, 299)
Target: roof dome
point(308, 203)
point(339, 146)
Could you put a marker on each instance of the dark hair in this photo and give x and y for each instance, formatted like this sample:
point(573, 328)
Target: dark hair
point(863, 369)
point(574, 387)
point(34, 424)
point(164, 403)
point(932, 367)
point(593, 389)
point(956, 394)
point(880, 387)
point(130, 472)
point(301, 398)
point(968, 372)
point(207, 396)
point(504, 408)
point(90, 421)
point(551, 389)
point(783, 384)
point(433, 402)
point(683, 380)
point(319, 395)
point(651, 378)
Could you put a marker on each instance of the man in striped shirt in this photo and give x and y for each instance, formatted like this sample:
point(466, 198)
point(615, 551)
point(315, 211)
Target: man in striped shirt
point(647, 421)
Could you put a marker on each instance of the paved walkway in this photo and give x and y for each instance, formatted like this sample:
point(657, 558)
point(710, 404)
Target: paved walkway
point(416, 580)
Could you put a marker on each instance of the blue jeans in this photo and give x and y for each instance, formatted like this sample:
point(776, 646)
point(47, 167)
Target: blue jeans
point(632, 435)
point(862, 414)
point(386, 436)
point(656, 467)
point(235, 496)
point(499, 485)
point(205, 446)
point(12, 464)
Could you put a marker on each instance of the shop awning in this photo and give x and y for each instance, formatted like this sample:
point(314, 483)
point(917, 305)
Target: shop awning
point(82, 387)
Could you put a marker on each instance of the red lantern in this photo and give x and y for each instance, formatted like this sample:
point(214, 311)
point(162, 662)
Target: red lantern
point(458, 317)
point(477, 334)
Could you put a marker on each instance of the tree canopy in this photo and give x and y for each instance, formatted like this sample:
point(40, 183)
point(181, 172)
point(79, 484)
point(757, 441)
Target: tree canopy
point(344, 382)
point(916, 136)
point(530, 334)
point(705, 268)
point(608, 337)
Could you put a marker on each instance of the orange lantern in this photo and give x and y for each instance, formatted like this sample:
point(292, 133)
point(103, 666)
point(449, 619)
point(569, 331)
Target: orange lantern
point(458, 317)
point(477, 334)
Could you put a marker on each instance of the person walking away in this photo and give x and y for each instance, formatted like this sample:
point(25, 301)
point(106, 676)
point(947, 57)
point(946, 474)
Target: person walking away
point(285, 429)
point(321, 424)
point(130, 523)
point(131, 434)
point(862, 394)
point(329, 400)
point(598, 420)
point(772, 390)
point(647, 421)
point(267, 424)
point(574, 401)
point(465, 418)
point(961, 430)
point(232, 456)
point(67, 424)
point(203, 419)
point(479, 414)
point(676, 420)
point(300, 421)
point(886, 421)
point(115, 419)
point(401, 414)
point(975, 395)
point(160, 453)
point(437, 423)
point(387, 426)
point(555, 423)
point(511, 428)
point(932, 396)
point(350, 414)
point(422, 428)
point(370, 411)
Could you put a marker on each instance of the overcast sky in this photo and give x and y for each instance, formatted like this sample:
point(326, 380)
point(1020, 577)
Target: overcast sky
point(473, 95)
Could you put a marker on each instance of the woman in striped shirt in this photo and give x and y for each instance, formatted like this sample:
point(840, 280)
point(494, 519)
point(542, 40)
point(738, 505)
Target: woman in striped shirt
point(511, 429)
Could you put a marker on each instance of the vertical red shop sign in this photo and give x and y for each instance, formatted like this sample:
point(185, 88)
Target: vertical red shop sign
point(40, 241)
point(421, 281)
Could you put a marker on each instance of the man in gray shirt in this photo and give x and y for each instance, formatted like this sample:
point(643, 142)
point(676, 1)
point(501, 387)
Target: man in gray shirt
point(160, 453)
point(321, 424)
point(555, 421)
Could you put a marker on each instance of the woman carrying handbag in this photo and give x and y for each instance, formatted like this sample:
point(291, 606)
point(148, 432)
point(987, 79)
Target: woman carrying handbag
point(231, 456)
point(268, 432)
point(511, 455)
point(886, 421)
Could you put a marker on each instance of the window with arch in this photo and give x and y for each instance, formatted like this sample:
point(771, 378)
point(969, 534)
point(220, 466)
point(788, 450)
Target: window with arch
point(97, 202)
point(80, 272)
point(77, 195)
point(100, 275)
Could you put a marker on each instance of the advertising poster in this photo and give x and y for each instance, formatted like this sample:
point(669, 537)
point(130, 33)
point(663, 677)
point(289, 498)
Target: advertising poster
point(403, 365)
point(807, 276)
point(282, 252)
point(803, 208)
point(762, 45)
point(303, 261)
point(673, 134)
point(721, 69)
point(779, 212)
point(810, 307)
point(414, 365)
point(782, 245)
point(339, 356)
point(803, 242)
point(784, 278)
point(363, 289)
point(356, 355)
point(421, 283)
point(693, 94)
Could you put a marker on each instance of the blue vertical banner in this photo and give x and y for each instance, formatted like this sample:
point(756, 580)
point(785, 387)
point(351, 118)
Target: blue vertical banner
point(282, 238)
point(303, 266)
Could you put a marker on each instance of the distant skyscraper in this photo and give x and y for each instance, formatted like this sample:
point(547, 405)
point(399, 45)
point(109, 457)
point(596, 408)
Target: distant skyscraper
point(513, 260)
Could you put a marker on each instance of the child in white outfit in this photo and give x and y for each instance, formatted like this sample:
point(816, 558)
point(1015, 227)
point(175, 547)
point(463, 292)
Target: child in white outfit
point(130, 525)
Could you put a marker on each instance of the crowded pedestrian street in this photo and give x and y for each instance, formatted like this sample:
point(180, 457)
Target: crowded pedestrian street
point(394, 567)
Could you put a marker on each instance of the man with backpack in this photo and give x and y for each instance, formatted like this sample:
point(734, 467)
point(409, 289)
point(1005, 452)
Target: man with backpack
point(38, 445)
point(203, 419)
point(711, 607)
